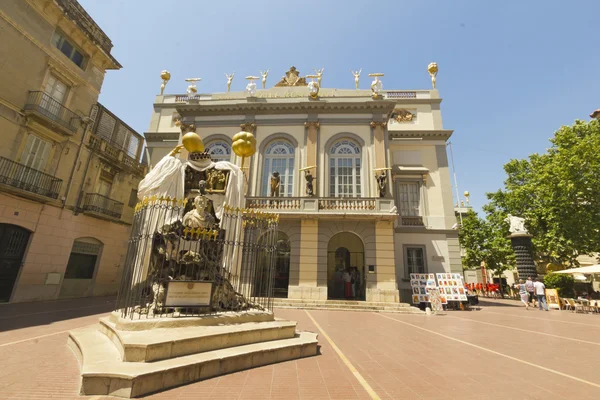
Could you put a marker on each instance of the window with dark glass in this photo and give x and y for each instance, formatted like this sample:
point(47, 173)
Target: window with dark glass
point(415, 260)
point(68, 49)
point(83, 260)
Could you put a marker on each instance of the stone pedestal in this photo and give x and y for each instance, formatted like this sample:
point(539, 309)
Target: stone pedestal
point(521, 243)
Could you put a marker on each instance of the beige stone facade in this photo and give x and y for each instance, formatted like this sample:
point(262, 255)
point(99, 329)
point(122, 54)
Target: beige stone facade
point(69, 168)
point(349, 136)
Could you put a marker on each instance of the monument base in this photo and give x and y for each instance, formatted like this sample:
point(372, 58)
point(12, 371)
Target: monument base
point(130, 358)
point(521, 244)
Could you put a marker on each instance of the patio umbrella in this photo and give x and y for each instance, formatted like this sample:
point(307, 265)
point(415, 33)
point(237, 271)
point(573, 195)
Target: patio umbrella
point(592, 269)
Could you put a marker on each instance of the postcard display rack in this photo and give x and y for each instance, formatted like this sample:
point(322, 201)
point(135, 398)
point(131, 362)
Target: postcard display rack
point(450, 286)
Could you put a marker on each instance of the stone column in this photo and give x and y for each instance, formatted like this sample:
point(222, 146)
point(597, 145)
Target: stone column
point(312, 152)
point(521, 243)
point(385, 265)
point(308, 269)
point(379, 151)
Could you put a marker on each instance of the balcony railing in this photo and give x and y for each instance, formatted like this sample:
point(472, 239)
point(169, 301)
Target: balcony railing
point(31, 180)
point(323, 205)
point(97, 203)
point(115, 154)
point(411, 221)
point(52, 110)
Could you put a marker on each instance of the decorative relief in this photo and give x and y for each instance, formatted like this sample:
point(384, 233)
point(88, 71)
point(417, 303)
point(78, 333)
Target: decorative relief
point(315, 124)
point(402, 116)
point(248, 127)
point(375, 124)
point(292, 78)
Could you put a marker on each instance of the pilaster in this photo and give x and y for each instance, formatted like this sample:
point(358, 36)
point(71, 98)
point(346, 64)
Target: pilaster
point(385, 265)
point(308, 287)
point(312, 130)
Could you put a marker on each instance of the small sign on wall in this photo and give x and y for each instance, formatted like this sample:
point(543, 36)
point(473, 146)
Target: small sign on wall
point(437, 258)
point(371, 269)
point(188, 294)
point(53, 278)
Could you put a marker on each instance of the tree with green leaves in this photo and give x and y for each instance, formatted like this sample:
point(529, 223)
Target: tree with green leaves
point(558, 193)
point(485, 240)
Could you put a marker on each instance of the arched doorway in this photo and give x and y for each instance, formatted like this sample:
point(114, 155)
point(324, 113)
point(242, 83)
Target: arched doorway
point(345, 252)
point(13, 242)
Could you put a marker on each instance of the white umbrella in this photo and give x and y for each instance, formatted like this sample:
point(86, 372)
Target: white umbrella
point(592, 269)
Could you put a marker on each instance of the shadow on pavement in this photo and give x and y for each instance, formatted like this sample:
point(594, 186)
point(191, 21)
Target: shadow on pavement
point(499, 303)
point(24, 315)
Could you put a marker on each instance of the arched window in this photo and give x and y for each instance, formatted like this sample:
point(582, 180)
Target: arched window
point(344, 169)
point(219, 150)
point(279, 157)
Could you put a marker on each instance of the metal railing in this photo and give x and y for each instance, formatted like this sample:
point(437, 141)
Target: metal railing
point(321, 204)
point(31, 180)
point(45, 105)
point(411, 221)
point(98, 203)
point(112, 152)
point(401, 95)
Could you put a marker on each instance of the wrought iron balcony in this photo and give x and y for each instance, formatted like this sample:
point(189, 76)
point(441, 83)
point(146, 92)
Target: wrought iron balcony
point(324, 205)
point(101, 205)
point(51, 112)
point(28, 179)
point(411, 221)
point(114, 153)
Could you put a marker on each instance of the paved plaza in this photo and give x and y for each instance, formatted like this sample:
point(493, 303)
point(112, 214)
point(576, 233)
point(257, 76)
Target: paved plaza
point(499, 352)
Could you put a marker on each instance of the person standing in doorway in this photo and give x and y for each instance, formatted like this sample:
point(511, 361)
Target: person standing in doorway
point(347, 283)
point(540, 293)
point(530, 290)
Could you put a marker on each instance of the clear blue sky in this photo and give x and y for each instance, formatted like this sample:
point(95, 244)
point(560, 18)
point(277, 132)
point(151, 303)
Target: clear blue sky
point(511, 72)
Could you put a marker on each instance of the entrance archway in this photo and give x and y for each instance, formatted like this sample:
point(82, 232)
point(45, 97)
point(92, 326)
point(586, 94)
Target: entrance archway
point(13, 242)
point(345, 252)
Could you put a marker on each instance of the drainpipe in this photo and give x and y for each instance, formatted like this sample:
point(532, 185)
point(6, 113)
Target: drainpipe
point(87, 165)
point(86, 123)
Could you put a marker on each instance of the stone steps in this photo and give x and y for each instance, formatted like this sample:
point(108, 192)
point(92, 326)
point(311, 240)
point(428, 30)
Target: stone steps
point(105, 373)
point(164, 343)
point(342, 305)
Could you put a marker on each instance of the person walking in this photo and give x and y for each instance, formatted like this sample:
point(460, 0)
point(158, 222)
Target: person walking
point(523, 293)
point(540, 293)
point(530, 290)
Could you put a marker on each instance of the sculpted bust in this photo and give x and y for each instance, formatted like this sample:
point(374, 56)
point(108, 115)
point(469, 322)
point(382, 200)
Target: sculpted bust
point(517, 224)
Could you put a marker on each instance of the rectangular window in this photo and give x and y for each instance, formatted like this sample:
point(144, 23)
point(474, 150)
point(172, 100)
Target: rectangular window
point(415, 260)
point(409, 199)
point(133, 198)
point(68, 49)
point(35, 154)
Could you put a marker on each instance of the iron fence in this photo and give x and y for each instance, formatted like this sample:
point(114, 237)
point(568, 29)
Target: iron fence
point(101, 204)
point(31, 180)
point(52, 109)
point(235, 258)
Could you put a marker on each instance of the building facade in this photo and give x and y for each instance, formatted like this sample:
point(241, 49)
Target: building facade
point(68, 166)
point(381, 228)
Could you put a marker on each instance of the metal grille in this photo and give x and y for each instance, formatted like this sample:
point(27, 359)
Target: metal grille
point(106, 126)
point(238, 260)
point(86, 248)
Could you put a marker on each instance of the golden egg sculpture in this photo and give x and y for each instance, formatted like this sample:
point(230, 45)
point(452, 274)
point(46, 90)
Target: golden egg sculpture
point(192, 142)
point(244, 144)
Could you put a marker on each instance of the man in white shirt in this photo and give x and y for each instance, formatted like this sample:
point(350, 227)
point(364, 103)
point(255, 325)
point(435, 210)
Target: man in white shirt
point(540, 293)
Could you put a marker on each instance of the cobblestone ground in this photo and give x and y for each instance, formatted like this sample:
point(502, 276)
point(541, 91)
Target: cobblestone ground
point(499, 352)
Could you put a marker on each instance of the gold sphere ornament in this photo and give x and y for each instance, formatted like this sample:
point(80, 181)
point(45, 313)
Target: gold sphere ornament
point(432, 68)
point(192, 142)
point(244, 144)
point(165, 75)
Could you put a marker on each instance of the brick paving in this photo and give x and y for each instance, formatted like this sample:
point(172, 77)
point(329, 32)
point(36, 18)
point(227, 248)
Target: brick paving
point(500, 352)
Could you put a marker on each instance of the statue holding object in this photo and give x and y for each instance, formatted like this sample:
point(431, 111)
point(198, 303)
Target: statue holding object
point(229, 80)
point(309, 180)
point(275, 184)
point(382, 180)
point(356, 75)
point(264, 78)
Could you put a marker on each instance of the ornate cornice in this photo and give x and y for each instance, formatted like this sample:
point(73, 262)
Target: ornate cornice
point(442, 134)
point(312, 124)
point(210, 108)
point(378, 124)
point(248, 127)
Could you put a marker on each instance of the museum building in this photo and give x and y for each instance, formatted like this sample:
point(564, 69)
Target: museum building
point(363, 179)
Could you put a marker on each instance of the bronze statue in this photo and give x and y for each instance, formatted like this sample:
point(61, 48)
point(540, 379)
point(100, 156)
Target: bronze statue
point(275, 184)
point(382, 183)
point(309, 183)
